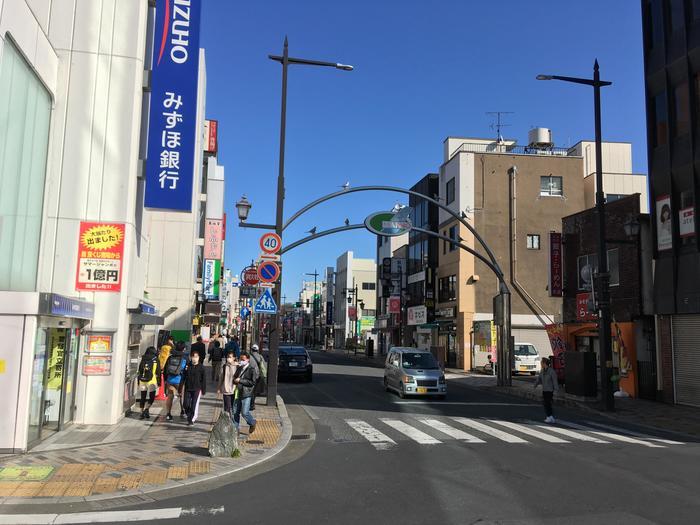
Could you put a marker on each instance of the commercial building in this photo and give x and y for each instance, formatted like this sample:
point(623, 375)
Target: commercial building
point(75, 234)
point(672, 74)
point(514, 196)
point(421, 264)
point(391, 282)
point(355, 298)
point(630, 250)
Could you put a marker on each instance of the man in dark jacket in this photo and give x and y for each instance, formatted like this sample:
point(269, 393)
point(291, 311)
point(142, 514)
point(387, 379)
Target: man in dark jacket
point(199, 348)
point(195, 386)
point(216, 357)
point(245, 382)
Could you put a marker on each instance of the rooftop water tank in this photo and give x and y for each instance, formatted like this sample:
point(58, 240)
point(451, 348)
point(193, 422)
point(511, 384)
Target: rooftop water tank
point(540, 138)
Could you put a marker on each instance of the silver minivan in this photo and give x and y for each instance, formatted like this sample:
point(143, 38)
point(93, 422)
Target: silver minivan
point(415, 372)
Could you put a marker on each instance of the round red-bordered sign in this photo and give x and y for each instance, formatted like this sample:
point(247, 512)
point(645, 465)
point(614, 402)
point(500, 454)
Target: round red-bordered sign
point(250, 276)
point(270, 243)
point(268, 271)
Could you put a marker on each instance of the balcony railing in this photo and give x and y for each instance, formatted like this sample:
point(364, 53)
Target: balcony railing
point(511, 149)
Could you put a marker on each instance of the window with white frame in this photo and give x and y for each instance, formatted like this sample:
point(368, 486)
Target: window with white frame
point(551, 186)
point(533, 241)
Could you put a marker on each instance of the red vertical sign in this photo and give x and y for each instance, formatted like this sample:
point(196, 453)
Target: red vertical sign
point(555, 260)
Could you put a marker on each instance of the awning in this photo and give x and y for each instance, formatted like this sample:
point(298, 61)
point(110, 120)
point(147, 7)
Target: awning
point(146, 319)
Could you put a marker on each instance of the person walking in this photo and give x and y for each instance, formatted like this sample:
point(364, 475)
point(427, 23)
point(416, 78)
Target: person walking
point(226, 386)
point(174, 368)
point(258, 360)
point(149, 373)
point(232, 346)
point(165, 350)
point(548, 380)
point(216, 356)
point(195, 387)
point(199, 347)
point(245, 383)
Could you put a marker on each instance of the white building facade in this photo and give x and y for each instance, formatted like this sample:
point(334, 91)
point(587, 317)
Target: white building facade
point(74, 85)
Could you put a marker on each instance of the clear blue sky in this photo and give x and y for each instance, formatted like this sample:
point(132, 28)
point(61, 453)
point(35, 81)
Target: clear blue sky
point(423, 71)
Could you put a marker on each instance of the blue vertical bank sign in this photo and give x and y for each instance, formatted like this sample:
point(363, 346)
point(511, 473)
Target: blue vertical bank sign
point(173, 115)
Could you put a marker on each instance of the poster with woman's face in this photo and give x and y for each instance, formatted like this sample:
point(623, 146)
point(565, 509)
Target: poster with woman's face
point(664, 225)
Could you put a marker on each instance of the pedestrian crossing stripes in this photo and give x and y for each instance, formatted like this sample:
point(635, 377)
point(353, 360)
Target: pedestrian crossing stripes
point(427, 430)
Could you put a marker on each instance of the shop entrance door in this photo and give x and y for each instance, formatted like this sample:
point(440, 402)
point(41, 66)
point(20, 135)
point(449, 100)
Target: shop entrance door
point(53, 382)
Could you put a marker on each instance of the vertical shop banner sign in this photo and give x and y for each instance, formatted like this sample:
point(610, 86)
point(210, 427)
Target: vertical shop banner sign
point(555, 269)
point(686, 222)
point(394, 306)
point(558, 344)
point(173, 125)
point(210, 281)
point(211, 128)
point(352, 313)
point(583, 312)
point(100, 254)
point(213, 235)
point(329, 312)
point(664, 224)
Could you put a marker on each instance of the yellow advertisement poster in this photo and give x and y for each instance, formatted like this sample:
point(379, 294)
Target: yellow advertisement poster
point(99, 344)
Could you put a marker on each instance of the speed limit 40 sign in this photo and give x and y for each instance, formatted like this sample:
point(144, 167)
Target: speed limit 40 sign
point(270, 243)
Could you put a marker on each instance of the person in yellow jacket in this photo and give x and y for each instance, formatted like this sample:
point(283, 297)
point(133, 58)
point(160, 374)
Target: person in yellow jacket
point(165, 352)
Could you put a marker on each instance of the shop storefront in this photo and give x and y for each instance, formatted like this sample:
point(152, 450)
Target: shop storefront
point(685, 331)
point(445, 318)
point(145, 315)
point(57, 347)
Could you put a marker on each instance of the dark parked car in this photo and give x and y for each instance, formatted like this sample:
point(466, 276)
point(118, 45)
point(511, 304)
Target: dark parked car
point(295, 361)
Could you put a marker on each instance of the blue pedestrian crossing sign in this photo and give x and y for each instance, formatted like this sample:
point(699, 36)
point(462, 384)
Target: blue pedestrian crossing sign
point(266, 304)
point(245, 312)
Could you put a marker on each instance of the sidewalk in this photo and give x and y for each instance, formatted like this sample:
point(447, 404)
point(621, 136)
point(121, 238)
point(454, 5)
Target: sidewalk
point(674, 418)
point(133, 457)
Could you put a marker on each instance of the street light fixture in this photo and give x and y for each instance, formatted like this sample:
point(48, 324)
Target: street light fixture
point(243, 207)
point(632, 227)
point(285, 60)
point(604, 335)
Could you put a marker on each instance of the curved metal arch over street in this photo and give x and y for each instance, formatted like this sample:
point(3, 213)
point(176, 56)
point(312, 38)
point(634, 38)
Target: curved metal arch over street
point(494, 263)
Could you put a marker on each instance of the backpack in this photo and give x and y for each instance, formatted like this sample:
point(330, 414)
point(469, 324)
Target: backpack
point(173, 367)
point(217, 354)
point(262, 365)
point(146, 370)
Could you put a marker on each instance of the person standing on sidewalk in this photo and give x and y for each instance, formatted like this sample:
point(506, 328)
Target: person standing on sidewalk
point(174, 368)
point(149, 379)
point(195, 386)
point(226, 386)
point(245, 383)
point(216, 356)
point(258, 361)
point(548, 380)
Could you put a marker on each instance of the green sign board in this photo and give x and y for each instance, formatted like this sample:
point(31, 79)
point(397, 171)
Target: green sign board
point(389, 223)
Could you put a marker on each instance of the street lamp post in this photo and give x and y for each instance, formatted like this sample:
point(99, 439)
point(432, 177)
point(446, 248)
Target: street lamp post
point(604, 322)
point(285, 60)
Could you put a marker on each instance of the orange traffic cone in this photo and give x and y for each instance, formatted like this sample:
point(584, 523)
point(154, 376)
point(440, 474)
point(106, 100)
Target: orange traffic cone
point(160, 396)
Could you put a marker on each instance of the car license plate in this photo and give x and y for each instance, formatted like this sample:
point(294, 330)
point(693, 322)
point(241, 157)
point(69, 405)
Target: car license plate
point(523, 368)
point(422, 390)
point(293, 363)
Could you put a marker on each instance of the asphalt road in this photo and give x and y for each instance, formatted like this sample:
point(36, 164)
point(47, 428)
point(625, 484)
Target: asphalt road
point(378, 459)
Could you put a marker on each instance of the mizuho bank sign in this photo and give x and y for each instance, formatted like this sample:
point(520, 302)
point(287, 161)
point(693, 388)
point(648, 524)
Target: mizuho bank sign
point(173, 112)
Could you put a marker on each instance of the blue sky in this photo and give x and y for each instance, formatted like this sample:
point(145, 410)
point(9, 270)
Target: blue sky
point(423, 71)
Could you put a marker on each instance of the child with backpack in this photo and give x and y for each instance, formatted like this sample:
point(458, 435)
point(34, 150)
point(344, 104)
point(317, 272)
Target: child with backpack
point(195, 381)
point(149, 379)
point(174, 368)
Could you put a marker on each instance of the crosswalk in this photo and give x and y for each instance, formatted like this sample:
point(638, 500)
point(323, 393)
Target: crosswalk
point(387, 432)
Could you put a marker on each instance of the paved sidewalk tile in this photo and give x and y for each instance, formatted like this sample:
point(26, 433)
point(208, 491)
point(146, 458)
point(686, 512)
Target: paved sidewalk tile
point(134, 455)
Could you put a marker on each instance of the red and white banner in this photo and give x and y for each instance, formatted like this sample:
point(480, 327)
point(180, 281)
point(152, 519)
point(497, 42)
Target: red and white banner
point(394, 306)
point(555, 269)
point(211, 131)
point(213, 235)
point(100, 254)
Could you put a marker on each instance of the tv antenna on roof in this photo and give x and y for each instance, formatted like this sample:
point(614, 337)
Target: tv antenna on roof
point(499, 124)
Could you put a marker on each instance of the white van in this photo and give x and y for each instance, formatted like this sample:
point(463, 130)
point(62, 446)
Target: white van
point(527, 359)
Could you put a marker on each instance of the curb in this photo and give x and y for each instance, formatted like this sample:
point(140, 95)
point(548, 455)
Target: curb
point(144, 494)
